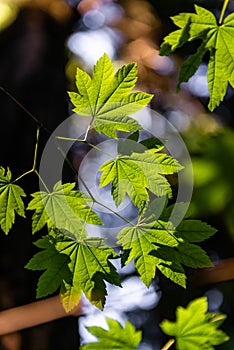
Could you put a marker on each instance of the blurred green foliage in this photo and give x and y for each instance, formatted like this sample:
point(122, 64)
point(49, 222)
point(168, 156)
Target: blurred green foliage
point(213, 166)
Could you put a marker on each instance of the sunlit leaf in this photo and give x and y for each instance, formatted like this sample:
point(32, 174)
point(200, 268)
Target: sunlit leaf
point(116, 337)
point(106, 97)
point(65, 208)
point(216, 38)
point(90, 266)
point(135, 173)
point(10, 200)
point(194, 328)
point(158, 244)
point(74, 267)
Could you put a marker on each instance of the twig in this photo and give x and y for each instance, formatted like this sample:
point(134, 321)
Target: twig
point(168, 344)
point(38, 123)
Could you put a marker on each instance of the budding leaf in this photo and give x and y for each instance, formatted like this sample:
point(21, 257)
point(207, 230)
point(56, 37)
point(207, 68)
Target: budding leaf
point(116, 337)
point(106, 97)
point(195, 328)
point(216, 38)
point(10, 200)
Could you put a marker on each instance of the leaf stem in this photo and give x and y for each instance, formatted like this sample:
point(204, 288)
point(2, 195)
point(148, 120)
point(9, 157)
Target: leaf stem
point(66, 159)
point(225, 3)
point(43, 183)
point(168, 344)
point(84, 141)
point(88, 128)
point(101, 150)
point(87, 189)
point(24, 174)
point(69, 139)
point(114, 212)
point(166, 229)
point(36, 149)
point(34, 158)
point(103, 205)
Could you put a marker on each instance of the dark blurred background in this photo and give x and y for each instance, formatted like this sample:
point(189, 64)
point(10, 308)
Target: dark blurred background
point(41, 44)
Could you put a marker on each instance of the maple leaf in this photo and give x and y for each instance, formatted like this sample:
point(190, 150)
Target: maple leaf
point(195, 328)
point(90, 266)
point(55, 264)
point(64, 208)
point(75, 266)
point(135, 173)
point(216, 38)
point(107, 99)
point(158, 244)
point(10, 200)
point(116, 337)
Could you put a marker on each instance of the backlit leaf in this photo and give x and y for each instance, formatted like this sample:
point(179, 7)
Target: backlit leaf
point(116, 337)
point(106, 97)
point(158, 244)
point(194, 327)
point(74, 266)
point(64, 208)
point(10, 200)
point(135, 173)
point(216, 38)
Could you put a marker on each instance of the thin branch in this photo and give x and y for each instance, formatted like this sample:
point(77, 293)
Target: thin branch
point(34, 314)
point(38, 123)
point(87, 189)
point(34, 158)
point(65, 157)
point(36, 149)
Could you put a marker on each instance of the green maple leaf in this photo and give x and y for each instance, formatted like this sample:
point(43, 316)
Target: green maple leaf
point(135, 173)
point(64, 208)
point(158, 244)
point(216, 38)
point(90, 266)
point(116, 337)
point(195, 328)
point(10, 200)
point(55, 264)
point(107, 99)
point(75, 266)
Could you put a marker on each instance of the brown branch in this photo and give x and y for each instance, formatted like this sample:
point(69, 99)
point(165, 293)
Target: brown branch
point(34, 314)
point(222, 271)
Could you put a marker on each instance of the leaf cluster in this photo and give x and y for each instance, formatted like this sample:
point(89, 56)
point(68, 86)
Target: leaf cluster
point(195, 328)
point(216, 38)
point(71, 261)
